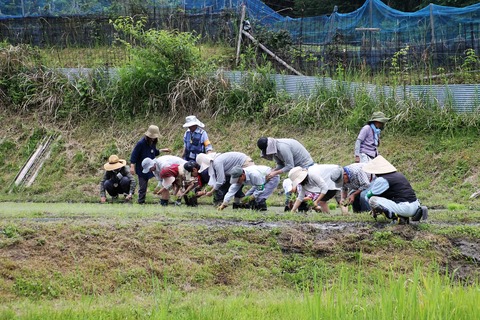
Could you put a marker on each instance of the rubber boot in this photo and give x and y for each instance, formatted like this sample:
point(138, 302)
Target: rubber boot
point(191, 202)
point(303, 207)
point(379, 210)
point(418, 214)
point(261, 205)
point(403, 220)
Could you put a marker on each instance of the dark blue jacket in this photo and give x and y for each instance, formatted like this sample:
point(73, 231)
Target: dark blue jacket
point(141, 151)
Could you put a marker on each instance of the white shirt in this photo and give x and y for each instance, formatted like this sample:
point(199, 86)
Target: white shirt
point(318, 180)
point(163, 162)
point(255, 177)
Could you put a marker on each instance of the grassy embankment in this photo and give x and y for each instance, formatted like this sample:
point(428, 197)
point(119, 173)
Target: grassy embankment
point(91, 261)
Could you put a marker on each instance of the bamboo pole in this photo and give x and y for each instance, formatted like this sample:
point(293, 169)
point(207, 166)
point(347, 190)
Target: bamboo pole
point(283, 63)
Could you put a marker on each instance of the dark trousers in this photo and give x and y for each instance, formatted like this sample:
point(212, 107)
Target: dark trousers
point(220, 193)
point(114, 189)
point(142, 189)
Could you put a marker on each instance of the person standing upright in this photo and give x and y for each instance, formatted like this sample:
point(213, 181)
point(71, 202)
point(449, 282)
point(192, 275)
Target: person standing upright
point(368, 140)
point(195, 139)
point(145, 148)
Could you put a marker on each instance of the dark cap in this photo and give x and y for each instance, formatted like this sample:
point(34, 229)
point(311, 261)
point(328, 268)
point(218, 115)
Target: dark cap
point(235, 174)
point(190, 165)
point(262, 143)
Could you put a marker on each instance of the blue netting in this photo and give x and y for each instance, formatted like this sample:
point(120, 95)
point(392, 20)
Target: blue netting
point(379, 22)
point(374, 22)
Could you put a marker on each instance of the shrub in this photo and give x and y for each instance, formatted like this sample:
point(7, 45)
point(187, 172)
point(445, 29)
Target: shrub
point(158, 58)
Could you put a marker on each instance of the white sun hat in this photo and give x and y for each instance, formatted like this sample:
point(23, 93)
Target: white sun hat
point(205, 160)
point(192, 121)
point(297, 175)
point(147, 164)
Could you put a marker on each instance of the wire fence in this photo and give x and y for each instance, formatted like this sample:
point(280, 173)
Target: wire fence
point(412, 48)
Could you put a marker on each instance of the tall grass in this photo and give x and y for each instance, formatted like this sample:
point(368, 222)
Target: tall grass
point(349, 294)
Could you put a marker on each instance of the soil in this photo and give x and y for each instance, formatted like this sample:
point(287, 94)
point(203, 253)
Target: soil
point(459, 255)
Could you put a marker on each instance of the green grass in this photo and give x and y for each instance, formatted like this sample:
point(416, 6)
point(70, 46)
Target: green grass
point(92, 261)
point(351, 295)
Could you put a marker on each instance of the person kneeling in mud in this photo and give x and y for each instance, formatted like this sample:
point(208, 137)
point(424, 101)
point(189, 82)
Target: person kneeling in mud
point(254, 176)
point(322, 179)
point(391, 194)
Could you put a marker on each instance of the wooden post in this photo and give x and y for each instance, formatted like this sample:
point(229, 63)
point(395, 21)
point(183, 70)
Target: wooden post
point(432, 23)
point(239, 41)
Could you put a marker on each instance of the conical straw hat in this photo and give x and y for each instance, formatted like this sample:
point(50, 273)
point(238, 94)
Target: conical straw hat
point(379, 165)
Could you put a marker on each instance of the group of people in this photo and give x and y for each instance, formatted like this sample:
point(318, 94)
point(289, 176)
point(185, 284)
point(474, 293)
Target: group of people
point(371, 183)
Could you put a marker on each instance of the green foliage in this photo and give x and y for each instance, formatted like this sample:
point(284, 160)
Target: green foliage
point(10, 231)
point(279, 41)
point(470, 66)
point(455, 206)
point(471, 61)
point(252, 97)
point(158, 58)
point(399, 64)
point(7, 147)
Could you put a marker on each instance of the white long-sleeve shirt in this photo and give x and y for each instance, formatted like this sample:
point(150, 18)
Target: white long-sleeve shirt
point(163, 162)
point(318, 180)
point(255, 177)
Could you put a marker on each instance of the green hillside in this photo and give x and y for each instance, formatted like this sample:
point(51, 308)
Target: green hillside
point(443, 169)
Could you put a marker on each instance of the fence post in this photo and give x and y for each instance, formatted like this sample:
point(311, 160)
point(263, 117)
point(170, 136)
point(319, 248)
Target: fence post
point(239, 41)
point(432, 23)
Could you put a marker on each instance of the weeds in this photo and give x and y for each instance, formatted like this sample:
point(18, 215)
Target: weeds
point(159, 58)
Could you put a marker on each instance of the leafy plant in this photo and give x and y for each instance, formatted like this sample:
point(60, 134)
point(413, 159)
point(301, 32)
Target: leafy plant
point(158, 58)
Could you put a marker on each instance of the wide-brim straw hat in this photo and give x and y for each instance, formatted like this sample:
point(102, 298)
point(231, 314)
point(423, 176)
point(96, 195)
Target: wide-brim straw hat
point(204, 160)
point(114, 163)
point(379, 165)
point(153, 132)
point(192, 121)
point(297, 175)
point(379, 117)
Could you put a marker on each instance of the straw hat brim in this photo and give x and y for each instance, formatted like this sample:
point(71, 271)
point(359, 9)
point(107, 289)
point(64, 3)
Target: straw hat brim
point(379, 165)
point(114, 166)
